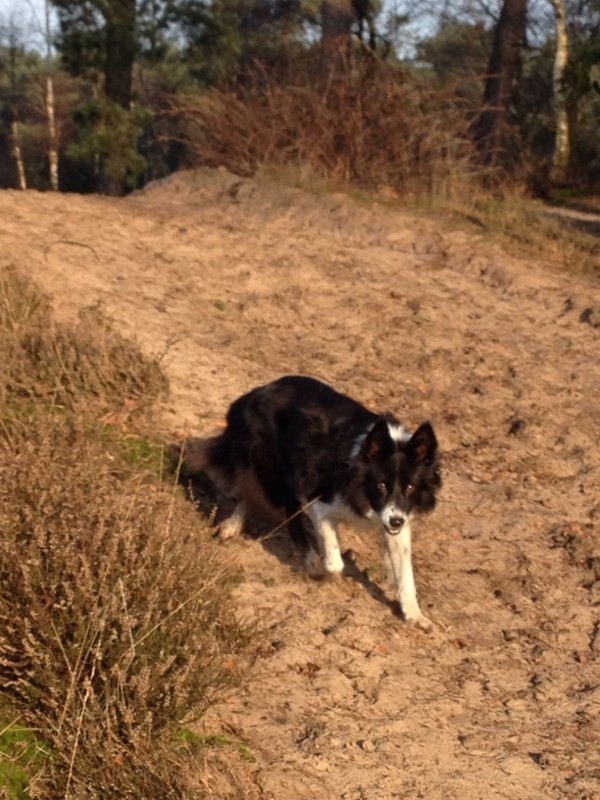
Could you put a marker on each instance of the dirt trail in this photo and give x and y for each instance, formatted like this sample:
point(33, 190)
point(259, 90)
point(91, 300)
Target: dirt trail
point(235, 282)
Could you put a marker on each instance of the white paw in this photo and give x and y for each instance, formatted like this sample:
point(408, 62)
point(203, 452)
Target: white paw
point(334, 563)
point(420, 620)
point(230, 527)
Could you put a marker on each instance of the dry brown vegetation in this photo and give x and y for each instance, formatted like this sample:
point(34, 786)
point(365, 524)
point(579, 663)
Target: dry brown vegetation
point(84, 366)
point(116, 622)
point(373, 130)
point(377, 132)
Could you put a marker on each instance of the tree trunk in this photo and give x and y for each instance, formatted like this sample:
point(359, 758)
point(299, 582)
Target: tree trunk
point(493, 130)
point(365, 14)
point(560, 159)
point(119, 16)
point(52, 140)
point(336, 17)
point(17, 154)
point(120, 51)
point(52, 148)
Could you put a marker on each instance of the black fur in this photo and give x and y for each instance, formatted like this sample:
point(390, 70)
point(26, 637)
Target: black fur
point(300, 440)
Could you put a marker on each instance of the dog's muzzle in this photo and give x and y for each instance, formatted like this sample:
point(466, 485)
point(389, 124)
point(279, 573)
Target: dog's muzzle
point(395, 525)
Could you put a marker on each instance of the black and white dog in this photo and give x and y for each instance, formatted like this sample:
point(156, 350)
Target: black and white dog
point(315, 454)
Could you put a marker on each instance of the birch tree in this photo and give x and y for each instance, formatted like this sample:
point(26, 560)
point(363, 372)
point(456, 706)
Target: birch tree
point(14, 98)
point(50, 104)
point(17, 153)
point(562, 147)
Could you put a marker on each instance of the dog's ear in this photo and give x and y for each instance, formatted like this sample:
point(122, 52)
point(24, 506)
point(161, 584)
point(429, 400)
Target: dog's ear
point(422, 445)
point(378, 443)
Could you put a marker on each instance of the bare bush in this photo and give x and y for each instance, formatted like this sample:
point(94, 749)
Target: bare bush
point(114, 610)
point(374, 129)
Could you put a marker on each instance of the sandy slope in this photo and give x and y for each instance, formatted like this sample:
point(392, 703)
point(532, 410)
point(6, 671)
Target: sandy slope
point(235, 282)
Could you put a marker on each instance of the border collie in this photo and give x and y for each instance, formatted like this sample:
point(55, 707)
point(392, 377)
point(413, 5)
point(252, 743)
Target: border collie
point(322, 458)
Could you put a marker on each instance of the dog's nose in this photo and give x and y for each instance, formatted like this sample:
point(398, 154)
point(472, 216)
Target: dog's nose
point(396, 523)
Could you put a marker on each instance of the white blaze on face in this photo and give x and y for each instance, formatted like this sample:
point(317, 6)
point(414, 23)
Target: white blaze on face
point(389, 513)
point(398, 432)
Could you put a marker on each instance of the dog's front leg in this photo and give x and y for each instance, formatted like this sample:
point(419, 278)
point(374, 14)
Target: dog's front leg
point(399, 549)
point(332, 557)
point(328, 540)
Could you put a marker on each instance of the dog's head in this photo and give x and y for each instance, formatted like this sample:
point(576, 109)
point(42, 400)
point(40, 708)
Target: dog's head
point(400, 473)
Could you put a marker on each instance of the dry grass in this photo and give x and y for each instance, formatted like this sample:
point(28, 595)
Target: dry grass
point(376, 129)
point(86, 366)
point(116, 619)
point(525, 227)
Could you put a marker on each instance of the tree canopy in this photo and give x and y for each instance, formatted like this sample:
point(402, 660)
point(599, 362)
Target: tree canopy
point(125, 71)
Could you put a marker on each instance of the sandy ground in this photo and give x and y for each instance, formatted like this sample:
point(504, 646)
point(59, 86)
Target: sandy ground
point(236, 282)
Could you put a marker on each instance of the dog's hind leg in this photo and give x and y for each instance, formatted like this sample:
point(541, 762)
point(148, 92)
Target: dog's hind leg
point(400, 556)
point(234, 524)
point(304, 540)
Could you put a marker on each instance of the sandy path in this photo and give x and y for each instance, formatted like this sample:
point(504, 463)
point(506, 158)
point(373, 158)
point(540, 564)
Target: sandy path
point(235, 282)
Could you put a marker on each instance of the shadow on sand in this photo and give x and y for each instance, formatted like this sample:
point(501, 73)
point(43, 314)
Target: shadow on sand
point(273, 536)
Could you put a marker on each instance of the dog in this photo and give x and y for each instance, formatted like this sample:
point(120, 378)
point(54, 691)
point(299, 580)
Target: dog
point(322, 458)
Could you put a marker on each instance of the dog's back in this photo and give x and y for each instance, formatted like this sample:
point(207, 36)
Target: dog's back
point(296, 434)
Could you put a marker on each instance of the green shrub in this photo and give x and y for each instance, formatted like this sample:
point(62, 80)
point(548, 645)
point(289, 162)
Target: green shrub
point(23, 758)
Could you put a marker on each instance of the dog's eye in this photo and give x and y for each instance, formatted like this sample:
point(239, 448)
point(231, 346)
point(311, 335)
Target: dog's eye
point(410, 489)
point(381, 487)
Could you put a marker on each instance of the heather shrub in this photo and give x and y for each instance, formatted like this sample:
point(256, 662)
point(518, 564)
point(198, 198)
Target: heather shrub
point(117, 624)
point(115, 618)
point(377, 129)
point(87, 367)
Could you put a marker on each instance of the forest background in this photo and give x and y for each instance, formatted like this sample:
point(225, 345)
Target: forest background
point(411, 98)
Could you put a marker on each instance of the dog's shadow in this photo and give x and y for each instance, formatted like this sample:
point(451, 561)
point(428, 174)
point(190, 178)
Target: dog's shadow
point(273, 536)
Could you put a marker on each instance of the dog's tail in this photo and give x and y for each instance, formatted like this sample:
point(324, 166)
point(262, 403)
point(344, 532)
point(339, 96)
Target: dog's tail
point(209, 457)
